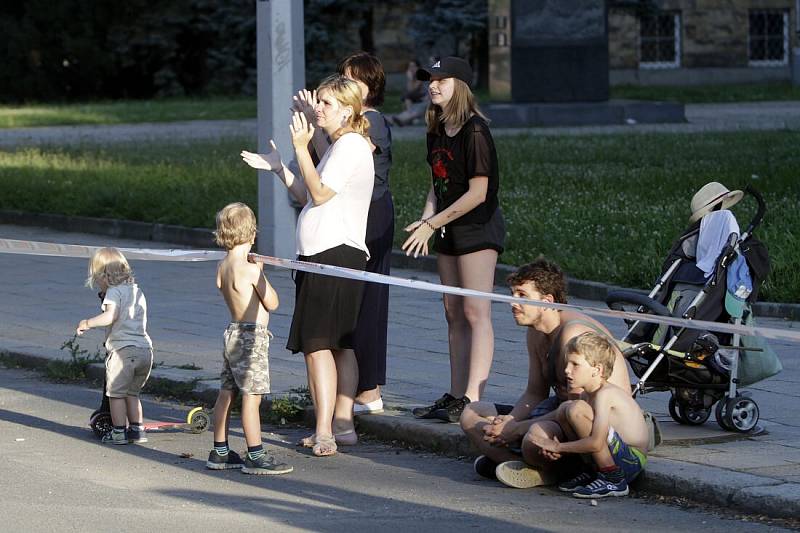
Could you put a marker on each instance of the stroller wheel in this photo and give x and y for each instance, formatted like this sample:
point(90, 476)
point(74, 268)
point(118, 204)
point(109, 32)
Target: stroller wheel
point(675, 411)
point(720, 412)
point(741, 414)
point(683, 413)
point(695, 416)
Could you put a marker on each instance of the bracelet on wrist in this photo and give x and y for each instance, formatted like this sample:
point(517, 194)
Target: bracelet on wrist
point(428, 222)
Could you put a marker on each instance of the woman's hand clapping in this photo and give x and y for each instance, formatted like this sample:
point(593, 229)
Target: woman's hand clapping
point(301, 130)
point(304, 102)
point(267, 161)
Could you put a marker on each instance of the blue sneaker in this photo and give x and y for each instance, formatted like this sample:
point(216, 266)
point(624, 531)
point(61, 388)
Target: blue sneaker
point(602, 487)
point(581, 480)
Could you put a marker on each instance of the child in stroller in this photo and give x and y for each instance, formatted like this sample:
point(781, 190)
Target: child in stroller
point(712, 273)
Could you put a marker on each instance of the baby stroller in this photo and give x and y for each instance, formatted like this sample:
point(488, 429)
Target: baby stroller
point(702, 368)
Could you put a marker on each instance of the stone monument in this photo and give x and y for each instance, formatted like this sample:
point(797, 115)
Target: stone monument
point(549, 60)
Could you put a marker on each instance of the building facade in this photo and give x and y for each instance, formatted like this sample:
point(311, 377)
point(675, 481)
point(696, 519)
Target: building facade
point(688, 42)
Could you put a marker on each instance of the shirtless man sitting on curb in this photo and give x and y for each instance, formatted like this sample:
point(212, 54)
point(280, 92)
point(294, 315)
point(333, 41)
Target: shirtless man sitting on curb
point(502, 432)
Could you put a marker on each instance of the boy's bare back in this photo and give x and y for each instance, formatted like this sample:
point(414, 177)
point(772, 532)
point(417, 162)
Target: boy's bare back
point(250, 297)
point(624, 414)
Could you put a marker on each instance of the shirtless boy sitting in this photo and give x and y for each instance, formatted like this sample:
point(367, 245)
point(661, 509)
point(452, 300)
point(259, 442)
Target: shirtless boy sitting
point(608, 424)
point(498, 431)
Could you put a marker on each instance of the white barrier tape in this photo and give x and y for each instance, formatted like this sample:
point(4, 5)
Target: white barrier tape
point(341, 272)
point(143, 254)
point(11, 246)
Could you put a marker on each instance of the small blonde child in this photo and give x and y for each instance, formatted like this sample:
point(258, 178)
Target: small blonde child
point(130, 350)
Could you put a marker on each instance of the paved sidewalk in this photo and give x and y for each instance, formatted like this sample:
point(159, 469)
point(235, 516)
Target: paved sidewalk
point(42, 298)
point(700, 118)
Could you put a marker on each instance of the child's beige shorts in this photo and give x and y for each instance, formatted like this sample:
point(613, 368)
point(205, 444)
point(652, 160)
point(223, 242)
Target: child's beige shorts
point(127, 370)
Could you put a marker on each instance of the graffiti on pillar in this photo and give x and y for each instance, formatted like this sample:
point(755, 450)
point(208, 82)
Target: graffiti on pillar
point(281, 47)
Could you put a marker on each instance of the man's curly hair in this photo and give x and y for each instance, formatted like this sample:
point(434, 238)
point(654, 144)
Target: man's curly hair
point(545, 275)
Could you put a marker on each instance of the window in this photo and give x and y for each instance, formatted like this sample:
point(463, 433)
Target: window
point(660, 40)
point(768, 42)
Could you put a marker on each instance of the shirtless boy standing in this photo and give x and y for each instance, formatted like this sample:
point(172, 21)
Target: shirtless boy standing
point(250, 299)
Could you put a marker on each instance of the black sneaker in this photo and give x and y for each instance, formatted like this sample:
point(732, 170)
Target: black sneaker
point(584, 478)
point(601, 488)
point(427, 412)
point(485, 467)
point(452, 412)
point(224, 462)
point(265, 466)
point(136, 436)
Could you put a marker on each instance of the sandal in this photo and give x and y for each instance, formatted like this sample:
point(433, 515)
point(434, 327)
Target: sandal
point(307, 442)
point(344, 439)
point(325, 446)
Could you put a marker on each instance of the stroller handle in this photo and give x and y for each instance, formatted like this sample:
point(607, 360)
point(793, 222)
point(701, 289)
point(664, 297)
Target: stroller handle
point(759, 216)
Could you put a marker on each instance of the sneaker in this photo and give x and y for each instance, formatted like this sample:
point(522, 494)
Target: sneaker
point(137, 436)
point(372, 408)
point(265, 466)
point(452, 412)
point(602, 487)
point(582, 479)
point(427, 412)
point(224, 462)
point(521, 476)
point(485, 467)
point(112, 437)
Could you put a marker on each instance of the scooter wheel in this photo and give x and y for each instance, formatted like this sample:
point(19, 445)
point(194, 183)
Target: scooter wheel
point(101, 423)
point(199, 420)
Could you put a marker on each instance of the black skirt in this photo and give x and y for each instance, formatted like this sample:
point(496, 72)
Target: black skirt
point(326, 307)
point(461, 239)
point(373, 319)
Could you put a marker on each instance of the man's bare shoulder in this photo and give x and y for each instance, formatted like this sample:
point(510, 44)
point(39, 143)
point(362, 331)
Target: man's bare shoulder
point(577, 323)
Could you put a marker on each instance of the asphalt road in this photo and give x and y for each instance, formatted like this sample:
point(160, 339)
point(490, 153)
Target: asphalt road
point(57, 477)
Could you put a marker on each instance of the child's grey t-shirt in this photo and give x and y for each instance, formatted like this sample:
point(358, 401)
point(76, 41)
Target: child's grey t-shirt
point(130, 327)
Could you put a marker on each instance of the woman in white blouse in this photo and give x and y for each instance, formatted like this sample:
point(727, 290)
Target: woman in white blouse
point(330, 230)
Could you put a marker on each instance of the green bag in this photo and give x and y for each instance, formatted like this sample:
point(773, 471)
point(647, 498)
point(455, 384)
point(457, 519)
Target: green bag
point(758, 363)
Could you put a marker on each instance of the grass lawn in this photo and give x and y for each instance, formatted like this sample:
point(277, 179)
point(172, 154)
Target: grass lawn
point(702, 94)
point(127, 111)
point(605, 207)
point(134, 111)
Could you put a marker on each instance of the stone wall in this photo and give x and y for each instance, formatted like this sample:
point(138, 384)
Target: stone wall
point(714, 34)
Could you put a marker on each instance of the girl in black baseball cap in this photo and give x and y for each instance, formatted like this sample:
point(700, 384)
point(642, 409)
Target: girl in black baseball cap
point(463, 214)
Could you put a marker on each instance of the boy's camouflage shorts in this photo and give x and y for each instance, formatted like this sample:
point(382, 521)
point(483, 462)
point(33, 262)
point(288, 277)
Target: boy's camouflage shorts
point(246, 358)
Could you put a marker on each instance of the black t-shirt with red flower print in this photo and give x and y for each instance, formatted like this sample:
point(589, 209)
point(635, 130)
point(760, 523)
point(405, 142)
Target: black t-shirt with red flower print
point(455, 160)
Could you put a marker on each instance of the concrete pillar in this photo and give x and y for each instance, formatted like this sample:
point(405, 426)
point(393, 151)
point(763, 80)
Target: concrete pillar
point(281, 73)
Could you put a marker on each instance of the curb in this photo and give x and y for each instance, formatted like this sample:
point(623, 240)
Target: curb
point(742, 492)
point(203, 238)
